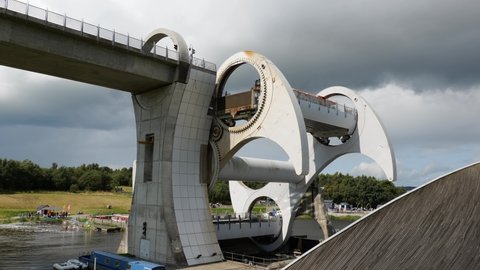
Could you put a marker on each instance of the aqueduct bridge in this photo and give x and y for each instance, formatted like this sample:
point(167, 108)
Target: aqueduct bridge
point(188, 129)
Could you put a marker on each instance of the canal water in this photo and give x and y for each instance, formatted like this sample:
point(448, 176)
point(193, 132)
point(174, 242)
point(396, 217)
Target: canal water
point(32, 246)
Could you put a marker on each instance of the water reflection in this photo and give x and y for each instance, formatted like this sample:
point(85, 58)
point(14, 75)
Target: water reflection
point(31, 246)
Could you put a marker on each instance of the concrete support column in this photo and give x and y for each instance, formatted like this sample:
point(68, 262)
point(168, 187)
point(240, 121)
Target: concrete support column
point(321, 215)
point(170, 219)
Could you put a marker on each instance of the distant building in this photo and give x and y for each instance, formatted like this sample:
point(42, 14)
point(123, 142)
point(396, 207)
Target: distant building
point(328, 204)
point(46, 210)
point(343, 206)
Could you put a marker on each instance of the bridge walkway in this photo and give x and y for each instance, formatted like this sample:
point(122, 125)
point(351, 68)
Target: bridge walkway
point(40, 40)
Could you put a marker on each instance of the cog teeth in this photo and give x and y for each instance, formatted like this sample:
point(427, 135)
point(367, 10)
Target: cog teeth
point(216, 148)
point(262, 102)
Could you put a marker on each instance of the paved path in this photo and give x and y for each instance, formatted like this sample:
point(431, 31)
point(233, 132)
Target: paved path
point(227, 265)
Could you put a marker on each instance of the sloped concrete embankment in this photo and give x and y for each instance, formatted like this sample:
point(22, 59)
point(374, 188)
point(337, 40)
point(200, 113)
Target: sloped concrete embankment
point(436, 226)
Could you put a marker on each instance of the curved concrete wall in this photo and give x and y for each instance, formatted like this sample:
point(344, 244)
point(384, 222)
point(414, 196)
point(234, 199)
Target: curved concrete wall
point(170, 220)
point(436, 226)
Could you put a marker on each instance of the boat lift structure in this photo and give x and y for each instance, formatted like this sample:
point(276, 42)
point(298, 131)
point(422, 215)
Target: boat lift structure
point(302, 124)
point(189, 131)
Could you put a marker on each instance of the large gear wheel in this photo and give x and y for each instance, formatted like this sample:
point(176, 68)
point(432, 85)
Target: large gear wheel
point(263, 92)
point(277, 117)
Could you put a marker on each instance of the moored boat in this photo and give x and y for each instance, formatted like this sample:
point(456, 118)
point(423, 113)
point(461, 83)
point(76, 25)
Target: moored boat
point(72, 264)
point(102, 260)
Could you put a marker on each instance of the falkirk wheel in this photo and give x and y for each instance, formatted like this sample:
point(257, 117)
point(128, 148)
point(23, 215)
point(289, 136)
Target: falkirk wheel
point(189, 132)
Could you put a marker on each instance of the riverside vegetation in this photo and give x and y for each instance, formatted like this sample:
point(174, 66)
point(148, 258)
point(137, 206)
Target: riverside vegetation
point(88, 188)
point(15, 205)
point(358, 191)
point(28, 176)
point(24, 186)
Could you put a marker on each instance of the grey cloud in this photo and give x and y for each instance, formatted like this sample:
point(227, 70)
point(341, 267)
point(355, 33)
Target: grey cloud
point(440, 118)
point(68, 146)
point(420, 45)
point(418, 176)
point(360, 44)
point(424, 44)
point(52, 102)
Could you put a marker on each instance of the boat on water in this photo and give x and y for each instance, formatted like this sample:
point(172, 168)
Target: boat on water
point(102, 260)
point(72, 264)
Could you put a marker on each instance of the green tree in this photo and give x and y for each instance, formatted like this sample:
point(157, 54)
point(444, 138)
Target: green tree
point(361, 191)
point(220, 193)
point(7, 174)
point(122, 177)
point(26, 175)
point(63, 178)
point(95, 180)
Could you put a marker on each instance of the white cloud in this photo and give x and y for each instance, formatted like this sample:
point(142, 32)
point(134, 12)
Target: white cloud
point(368, 169)
point(417, 175)
point(433, 132)
point(440, 118)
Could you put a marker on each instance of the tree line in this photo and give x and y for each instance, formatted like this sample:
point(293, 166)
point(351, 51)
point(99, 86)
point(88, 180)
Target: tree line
point(26, 175)
point(220, 192)
point(359, 191)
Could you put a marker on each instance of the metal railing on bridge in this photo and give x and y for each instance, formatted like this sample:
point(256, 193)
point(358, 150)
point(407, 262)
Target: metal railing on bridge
point(252, 220)
point(235, 228)
point(254, 260)
point(95, 31)
point(321, 101)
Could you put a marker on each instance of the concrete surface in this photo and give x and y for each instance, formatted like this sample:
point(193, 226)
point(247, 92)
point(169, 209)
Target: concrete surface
point(436, 226)
point(219, 266)
point(50, 49)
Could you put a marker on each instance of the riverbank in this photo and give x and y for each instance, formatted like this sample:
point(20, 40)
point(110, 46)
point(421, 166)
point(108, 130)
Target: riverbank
point(347, 216)
point(15, 205)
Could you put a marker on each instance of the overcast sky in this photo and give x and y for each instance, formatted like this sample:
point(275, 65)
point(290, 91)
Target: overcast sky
point(416, 62)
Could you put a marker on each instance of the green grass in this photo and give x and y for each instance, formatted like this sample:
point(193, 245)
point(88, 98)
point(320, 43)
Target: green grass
point(13, 215)
point(228, 210)
point(10, 215)
point(15, 204)
point(345, 217)
point(95, 203)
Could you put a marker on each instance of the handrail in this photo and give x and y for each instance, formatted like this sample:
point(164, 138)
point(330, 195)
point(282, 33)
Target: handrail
point(252, 260)
point(95, 31)
point(321, 101)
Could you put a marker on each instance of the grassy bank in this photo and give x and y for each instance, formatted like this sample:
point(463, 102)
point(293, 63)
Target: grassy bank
point(228, 210)
point(12, 205)
point(345, 217)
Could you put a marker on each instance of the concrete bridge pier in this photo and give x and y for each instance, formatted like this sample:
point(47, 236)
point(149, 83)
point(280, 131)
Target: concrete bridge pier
point(170, 219)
